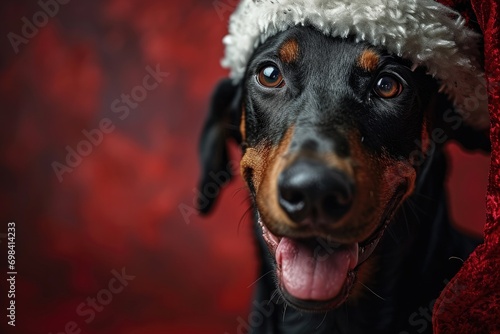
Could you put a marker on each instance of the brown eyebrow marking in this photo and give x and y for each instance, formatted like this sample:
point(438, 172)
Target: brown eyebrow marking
point(243, 125)
point(369, 60)
point(289, 51)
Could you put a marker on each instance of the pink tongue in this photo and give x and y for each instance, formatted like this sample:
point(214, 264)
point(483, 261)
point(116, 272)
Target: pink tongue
point(309, 276)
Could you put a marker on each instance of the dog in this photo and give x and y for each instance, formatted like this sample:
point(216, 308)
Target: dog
point(342, 153)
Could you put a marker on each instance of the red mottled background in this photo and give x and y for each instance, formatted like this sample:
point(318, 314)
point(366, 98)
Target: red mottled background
point(119, 208)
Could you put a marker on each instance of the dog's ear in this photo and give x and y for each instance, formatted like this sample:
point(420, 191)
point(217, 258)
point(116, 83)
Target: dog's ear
point(221, 125)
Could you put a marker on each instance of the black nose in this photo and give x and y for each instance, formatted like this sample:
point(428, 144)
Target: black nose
point(311, 192)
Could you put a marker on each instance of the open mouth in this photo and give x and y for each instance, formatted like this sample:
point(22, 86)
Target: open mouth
point(315, 274)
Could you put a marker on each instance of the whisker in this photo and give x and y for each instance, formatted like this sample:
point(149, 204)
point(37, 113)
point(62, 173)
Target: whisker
point(272, 296)
point(247, 211)
point(416, 206)
point(238, 190)
point(322, 321)
point(261, 277)
point(393, 234)
point(456, 258)
point(406, 220)
point(246, 199)
point(410, 205)
point(279, 300)
point(284, 312)
point(372, 291)
point(424, 196)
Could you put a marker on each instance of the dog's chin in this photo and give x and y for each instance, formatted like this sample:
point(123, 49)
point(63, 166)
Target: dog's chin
point(316, 275)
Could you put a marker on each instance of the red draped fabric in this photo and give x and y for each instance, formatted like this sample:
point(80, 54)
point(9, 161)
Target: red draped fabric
point(471, 302)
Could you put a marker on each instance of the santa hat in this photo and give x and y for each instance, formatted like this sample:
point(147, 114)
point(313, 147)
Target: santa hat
point(470, 303)
point(423, 31)
point(435, 36)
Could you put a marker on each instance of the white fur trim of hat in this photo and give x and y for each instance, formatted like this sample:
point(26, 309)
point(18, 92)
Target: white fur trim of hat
point(423, 31)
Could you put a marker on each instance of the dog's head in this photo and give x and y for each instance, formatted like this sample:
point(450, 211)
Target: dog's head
point(331, 127)
point(333, 133)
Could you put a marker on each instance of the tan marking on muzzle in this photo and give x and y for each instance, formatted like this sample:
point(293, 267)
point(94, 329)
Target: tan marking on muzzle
point(262, 159)
point(266, 164)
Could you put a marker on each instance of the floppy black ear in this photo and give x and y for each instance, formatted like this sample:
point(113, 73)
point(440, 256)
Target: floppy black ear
point(221, 125)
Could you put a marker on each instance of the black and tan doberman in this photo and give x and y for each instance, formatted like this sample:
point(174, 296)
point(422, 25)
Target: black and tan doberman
point(342, 154)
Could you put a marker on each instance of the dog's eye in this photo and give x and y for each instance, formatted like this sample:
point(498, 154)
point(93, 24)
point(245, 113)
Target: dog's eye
point(388, 87)
point(270, 76)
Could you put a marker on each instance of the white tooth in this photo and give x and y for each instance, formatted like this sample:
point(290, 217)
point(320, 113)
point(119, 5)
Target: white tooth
point(414, 67)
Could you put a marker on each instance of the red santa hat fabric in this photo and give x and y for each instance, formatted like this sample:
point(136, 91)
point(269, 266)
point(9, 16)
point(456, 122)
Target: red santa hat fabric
point(471, 301)
point(425, 32)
